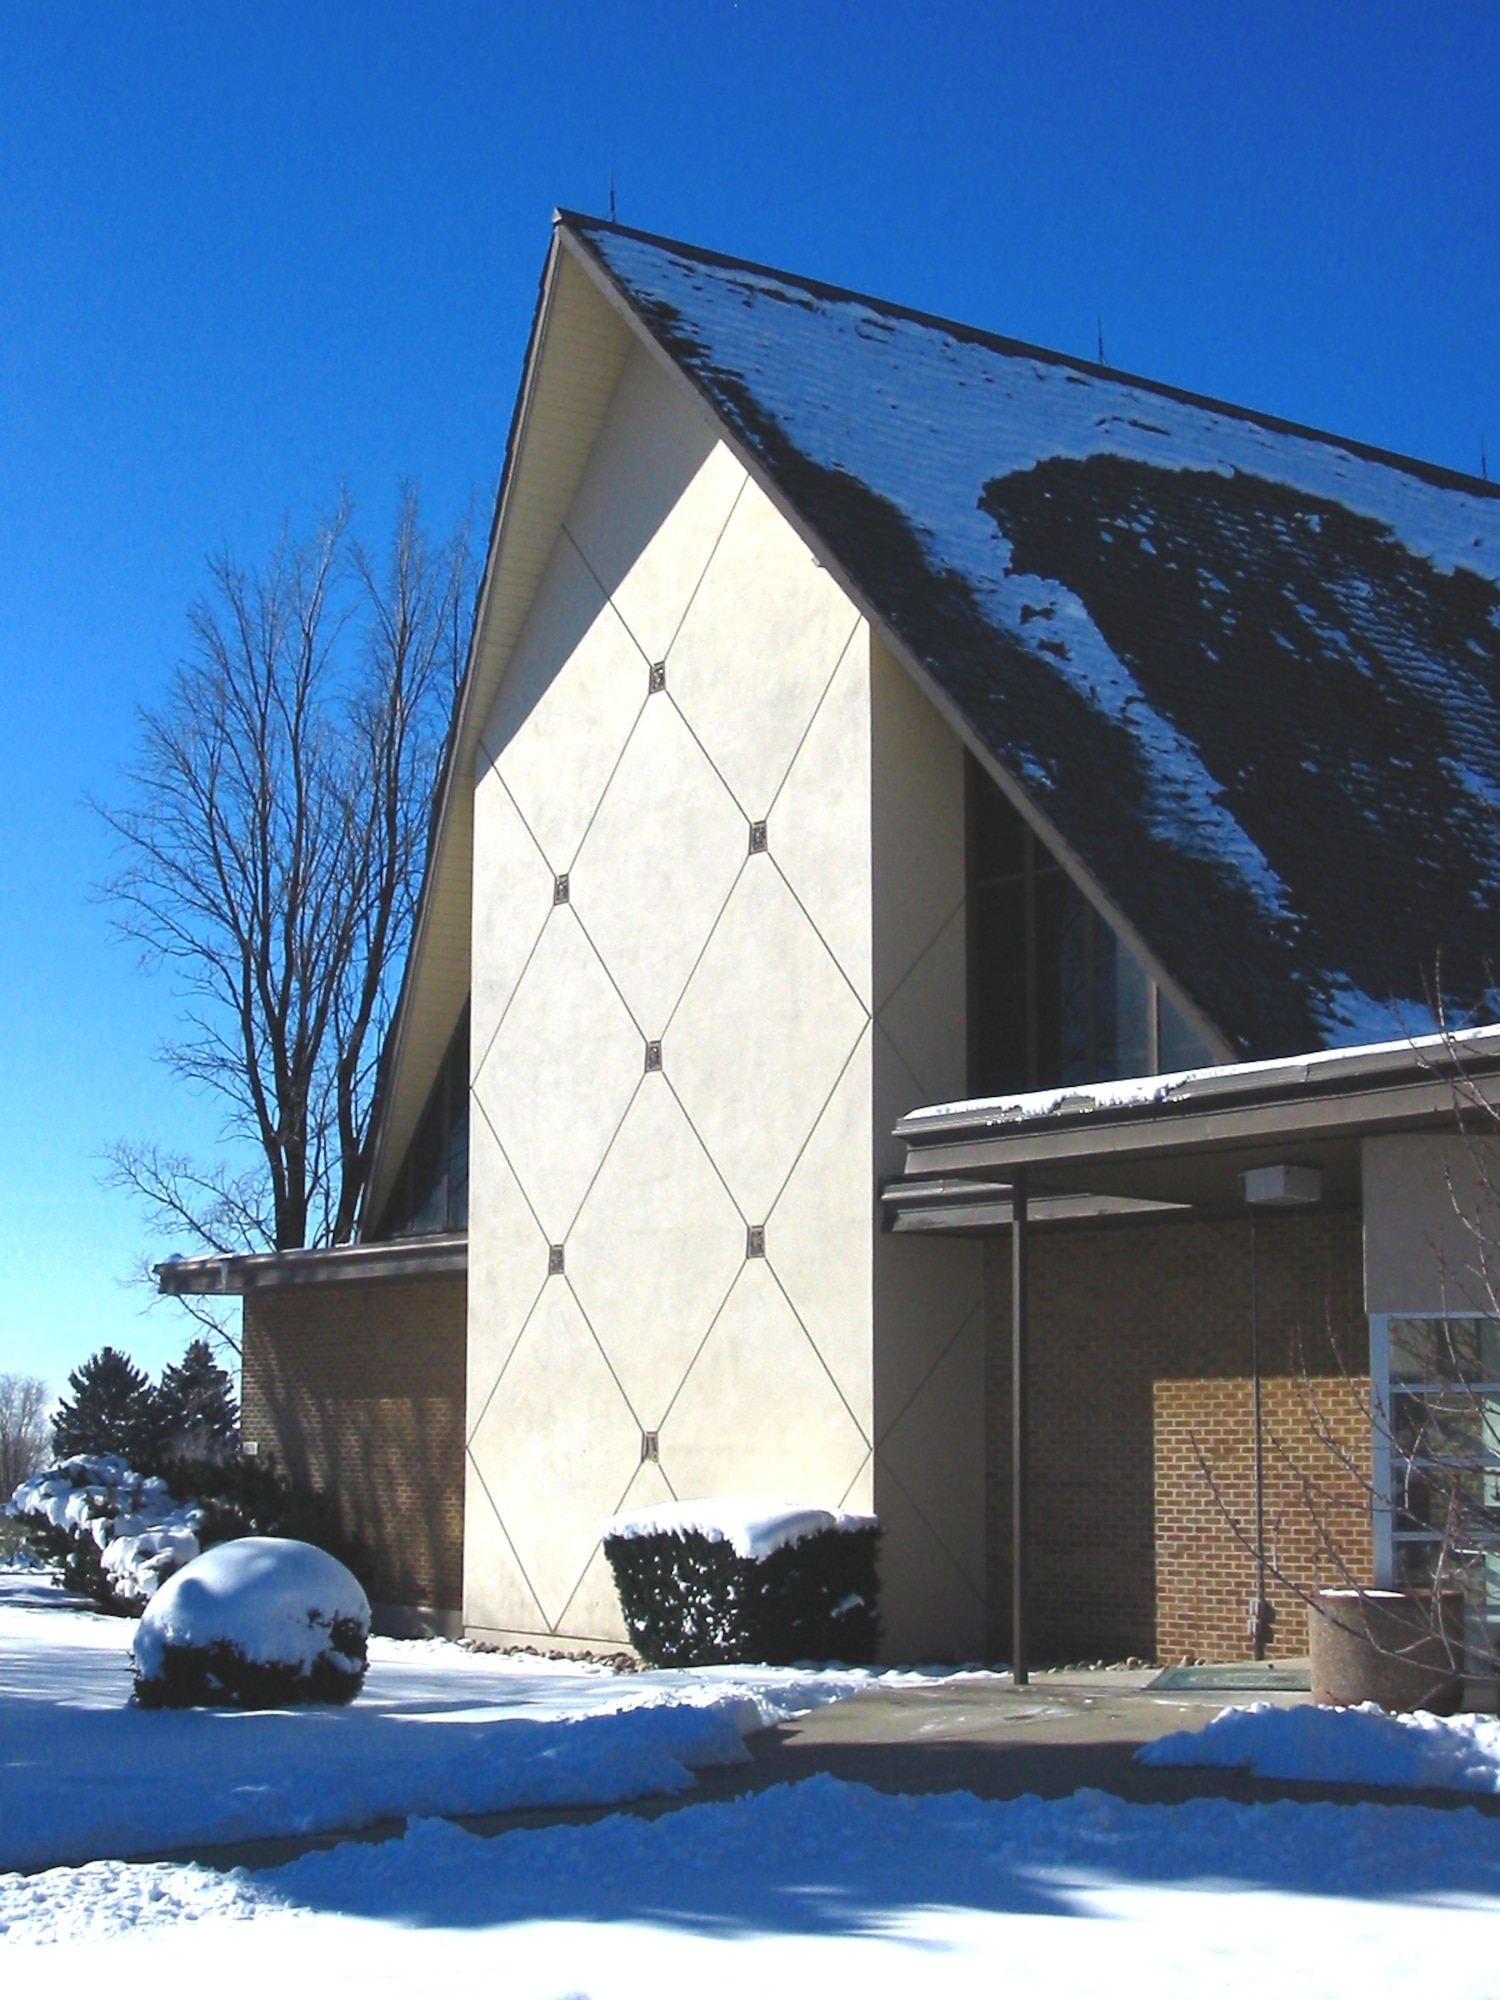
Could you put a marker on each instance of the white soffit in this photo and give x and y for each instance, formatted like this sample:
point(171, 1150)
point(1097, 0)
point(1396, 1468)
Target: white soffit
point(578, 348)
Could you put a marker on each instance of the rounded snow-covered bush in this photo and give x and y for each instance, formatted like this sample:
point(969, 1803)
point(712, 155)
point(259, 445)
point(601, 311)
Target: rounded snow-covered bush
point(254, 1623)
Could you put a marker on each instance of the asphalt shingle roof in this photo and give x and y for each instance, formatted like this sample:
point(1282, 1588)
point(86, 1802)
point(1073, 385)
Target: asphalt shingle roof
point(1251, 674)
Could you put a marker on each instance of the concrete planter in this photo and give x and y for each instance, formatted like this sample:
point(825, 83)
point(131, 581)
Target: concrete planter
point(1386, 1646)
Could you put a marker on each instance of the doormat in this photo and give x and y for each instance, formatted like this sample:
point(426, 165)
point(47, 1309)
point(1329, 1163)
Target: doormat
point(1237, 1677)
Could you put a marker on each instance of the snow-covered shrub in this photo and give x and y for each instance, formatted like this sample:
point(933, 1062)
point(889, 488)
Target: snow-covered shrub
point(255, 1623)
point(119, 1533)
point(705, 1581)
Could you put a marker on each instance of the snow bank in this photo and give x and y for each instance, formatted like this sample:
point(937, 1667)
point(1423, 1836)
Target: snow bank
point(436, 1729)
point(754, 1527)
point(1352, 1746)
point(257, 1621)
point(807, 1890)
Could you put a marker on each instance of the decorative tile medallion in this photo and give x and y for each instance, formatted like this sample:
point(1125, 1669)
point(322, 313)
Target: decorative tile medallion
point(658, 676)
point(559, 889)
point(653, 1057)
point(554, 1260)
point(759, 843)
point(755, 1240)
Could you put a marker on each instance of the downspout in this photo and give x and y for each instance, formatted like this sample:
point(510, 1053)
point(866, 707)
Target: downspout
point(1259, 1623)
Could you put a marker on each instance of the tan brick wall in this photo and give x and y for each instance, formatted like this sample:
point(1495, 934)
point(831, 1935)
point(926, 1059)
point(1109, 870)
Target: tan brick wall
point(1115, 1312)
point(359, 1390)
point(1316, 1467)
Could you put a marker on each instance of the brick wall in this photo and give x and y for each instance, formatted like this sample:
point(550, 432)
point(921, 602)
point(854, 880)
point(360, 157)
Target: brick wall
point(1115, 1312)
point(359, 1390)
point(1315, 1471)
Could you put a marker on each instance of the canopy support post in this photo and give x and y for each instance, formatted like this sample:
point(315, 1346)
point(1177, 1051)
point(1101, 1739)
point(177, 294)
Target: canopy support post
point(1019, 1425)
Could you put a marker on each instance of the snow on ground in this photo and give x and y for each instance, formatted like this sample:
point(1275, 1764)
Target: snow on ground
point(83, 1773)
point(819, 1888)
point(1352, 1746)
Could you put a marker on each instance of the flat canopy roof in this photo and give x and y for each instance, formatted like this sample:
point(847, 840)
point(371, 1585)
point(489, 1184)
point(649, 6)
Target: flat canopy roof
point(1160, 1143)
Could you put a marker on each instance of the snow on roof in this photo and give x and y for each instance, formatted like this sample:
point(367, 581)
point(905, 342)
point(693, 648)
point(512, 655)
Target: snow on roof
point(1249, 673)
point(1446, 1054)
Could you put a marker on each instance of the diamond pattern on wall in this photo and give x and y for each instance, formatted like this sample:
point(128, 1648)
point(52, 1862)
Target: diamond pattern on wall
point(654, 497)
point(764, 1028)
point(654, 503)
point(556, 1447)
point(510, 873)
point(496, 1590)
point(546, 721)
point(819, 1233)
point(756, 650)
point(758, 1412)
point(819, 827)
point(916, 1020)
point(659, 860)
point(652, 1181)
point(594, 1606)
point(507, 1264)
point(917, 1447)
point(559, 1073)
point(655, 1249)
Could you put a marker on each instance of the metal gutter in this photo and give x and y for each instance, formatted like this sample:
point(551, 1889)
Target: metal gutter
point(343, 1263)
point(1407, 1078)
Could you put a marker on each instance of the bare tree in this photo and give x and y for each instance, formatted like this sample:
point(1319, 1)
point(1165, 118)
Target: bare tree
point(271, 855)
point(23, 1429)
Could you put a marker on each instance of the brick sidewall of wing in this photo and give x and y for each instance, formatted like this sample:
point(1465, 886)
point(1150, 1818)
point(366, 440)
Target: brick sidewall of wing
point(1140, 1374)
point(359, 1390)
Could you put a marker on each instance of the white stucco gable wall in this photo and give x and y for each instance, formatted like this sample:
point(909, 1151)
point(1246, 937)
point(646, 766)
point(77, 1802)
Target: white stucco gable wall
point(927, 1330)
point(749, 963)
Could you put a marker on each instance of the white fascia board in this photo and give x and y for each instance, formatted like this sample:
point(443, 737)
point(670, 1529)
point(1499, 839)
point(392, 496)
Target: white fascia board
point(573, 362)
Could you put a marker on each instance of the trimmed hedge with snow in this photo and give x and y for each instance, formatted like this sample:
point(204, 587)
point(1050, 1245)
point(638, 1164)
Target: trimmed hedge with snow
point(254, 1623)
point(706, 1582)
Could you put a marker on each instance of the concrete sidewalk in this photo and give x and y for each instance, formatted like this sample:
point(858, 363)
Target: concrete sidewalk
point(1069, 1729)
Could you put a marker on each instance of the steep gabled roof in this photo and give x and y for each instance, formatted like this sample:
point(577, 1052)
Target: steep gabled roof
point(1248, 672)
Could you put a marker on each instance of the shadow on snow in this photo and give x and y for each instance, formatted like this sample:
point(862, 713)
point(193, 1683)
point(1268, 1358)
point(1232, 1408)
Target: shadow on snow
point(832, 1857)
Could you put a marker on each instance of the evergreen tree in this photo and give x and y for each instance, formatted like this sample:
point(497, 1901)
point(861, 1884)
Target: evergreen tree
point(113, 1407)
point(199, 1414)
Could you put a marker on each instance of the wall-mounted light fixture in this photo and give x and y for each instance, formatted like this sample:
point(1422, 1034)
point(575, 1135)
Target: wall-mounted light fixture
point(1282, 1187)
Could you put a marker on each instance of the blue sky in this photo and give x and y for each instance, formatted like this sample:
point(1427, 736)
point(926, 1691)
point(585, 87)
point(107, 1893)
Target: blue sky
point(249, 253)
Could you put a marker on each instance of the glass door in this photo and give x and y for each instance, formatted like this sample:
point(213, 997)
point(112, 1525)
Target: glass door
point(1435, 1412)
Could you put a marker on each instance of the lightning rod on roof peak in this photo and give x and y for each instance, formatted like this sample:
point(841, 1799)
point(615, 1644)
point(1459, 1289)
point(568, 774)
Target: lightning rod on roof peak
point(1484, 469)
point(1101, 340)
point(611, 194)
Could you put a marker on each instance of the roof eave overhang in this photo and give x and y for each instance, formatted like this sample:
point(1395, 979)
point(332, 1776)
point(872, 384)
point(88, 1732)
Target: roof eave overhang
point(401, 1092)
point(962, 1159)
point(344, 1263)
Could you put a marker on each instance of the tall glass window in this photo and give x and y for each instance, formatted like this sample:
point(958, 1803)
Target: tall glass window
point(1055, 997)
point(1435, 1397)
point(431, 1196)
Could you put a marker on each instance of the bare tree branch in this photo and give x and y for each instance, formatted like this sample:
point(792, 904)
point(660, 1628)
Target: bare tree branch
point(271, 850)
